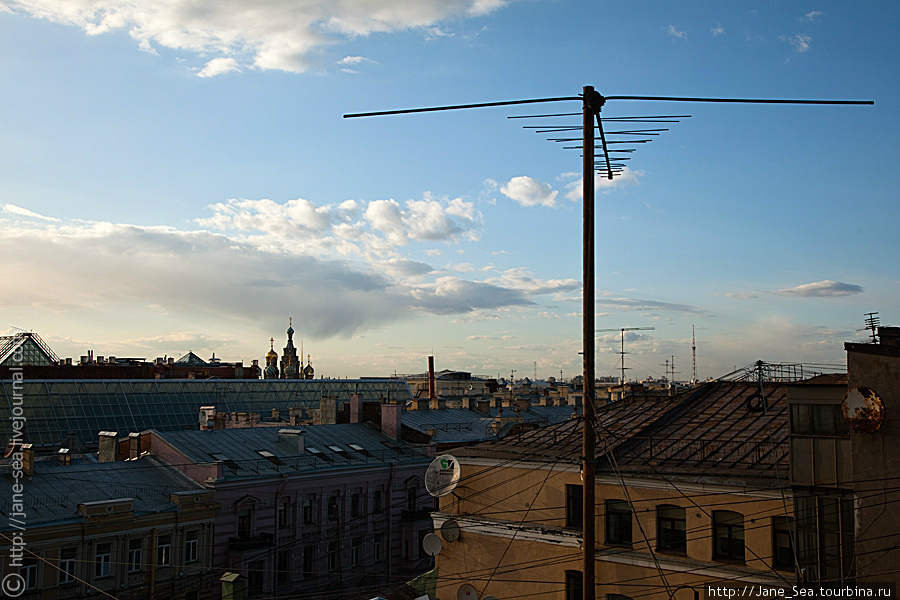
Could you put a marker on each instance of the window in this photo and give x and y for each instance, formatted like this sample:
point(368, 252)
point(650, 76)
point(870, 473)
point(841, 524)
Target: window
point(102, 559)
point(378, 501)
point(412, 494)
point(670, 528)
point(355, 509)
point(825, 526)
point(574, 584)
point(192, 546)
point(574, 505)
point(378, 547)
point(728, 535)
point(164, 551)
point(309, 510)
point(66, 571)
point(355, 549)
point(283, 574)
point(782, 543)
point(618, 522)
point(28, 571)
point(333, 555)
point(284, 514)
point(333, 508)
point(244, 523)
point(818, 419)
point(256, 572)
point(309, 561)
point(135, 555)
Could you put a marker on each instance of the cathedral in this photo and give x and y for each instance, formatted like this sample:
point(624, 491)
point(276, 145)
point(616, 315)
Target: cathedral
point(291, 365)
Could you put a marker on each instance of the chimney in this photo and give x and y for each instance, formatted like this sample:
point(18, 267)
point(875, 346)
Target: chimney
point(27, 460)
point(295, 438)
point(328, 410)
point(295, 414)
point(276, 414)
point(432, 395)
point(207, 417)
point(889, 336)
point(356, 402)
point(65, 456)
point(108, 447)
point(134, 445)
point(390, 419)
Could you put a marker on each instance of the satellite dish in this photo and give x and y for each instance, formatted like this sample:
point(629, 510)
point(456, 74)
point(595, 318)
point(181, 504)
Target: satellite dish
point(863, 410)
point(467, 592)
point(450, 530)
point(442, 475)
point(432, 544)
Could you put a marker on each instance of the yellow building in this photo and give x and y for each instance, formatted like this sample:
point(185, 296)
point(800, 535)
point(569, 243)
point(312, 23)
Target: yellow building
point(691, 491)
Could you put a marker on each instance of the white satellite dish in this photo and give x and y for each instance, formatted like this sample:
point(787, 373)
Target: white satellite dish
point(442, 475)
point(467, 592)
point(450, 530)
point(432, 544)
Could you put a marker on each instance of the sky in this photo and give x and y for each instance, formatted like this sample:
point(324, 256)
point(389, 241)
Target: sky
point(177, 176)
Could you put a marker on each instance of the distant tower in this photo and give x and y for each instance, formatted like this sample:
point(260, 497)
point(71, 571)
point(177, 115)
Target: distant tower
point(271, 371)
point(290, 364)
point(694, 352)
point(308, 371)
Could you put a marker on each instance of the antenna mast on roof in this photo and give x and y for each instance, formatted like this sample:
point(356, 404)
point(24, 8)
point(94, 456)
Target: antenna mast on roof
point(694, 354)
point(872, 323)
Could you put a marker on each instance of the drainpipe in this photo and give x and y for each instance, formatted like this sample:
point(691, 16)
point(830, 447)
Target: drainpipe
point(152, 551)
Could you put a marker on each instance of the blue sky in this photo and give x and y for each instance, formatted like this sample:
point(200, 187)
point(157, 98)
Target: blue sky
point(178, 176)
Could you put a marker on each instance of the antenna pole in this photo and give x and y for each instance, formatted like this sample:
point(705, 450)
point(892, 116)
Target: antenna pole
point(588, 442)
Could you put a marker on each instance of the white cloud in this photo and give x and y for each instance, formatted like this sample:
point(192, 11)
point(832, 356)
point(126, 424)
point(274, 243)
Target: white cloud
point(821, 289)
point(800, 42)
point(812, 16)
point(528, 191)
point(717, 30)
point(276, 34)
point(218, 66)
point(24, 212)
point(674, 32)
point(602, 184)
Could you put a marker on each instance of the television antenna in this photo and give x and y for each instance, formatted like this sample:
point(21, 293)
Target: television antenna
point(622, 330)
point(592, 102)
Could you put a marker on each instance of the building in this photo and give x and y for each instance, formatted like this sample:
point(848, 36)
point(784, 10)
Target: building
point(326, 509)
point(137, 529)
point(692, 490)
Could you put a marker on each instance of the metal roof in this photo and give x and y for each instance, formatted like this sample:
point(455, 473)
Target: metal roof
point(256, 452)
point(720, 429)
point(54, 491)
point(463, 425)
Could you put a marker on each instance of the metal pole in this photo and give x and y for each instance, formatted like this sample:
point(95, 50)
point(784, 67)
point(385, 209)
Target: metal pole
point(588, 445)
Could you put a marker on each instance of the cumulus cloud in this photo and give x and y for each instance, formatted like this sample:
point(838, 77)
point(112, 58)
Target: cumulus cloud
point(676, 33)
point(800, 42)
point(218, 66)
point(717, 30)
point(602, 185)
point(812, 16)
point(821, 289)
point(528, 191)
point(377, 228)
point(278, 34)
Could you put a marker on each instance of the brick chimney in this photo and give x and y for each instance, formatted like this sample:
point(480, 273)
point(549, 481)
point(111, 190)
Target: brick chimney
point(328, 410)
point(108, 446)
point(296, 438)
point(356, 402)
point(390, 419)
point(134, 445)
point(27, 460)
point(432, 394)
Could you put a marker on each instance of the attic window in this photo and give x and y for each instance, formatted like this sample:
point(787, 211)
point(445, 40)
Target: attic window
point(338, 450)
point(228, 462)
point(317, 453)
point(359, 449)
point(269, 456)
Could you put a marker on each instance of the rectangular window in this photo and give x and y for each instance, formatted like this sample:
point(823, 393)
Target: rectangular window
point(309, 510)
point(192, 546)
point(574, 585)
point(671, 534)
point(333, 508)
point(818, 419)
point(618, 522)
point(782, 544)
point(244, 523)
point(334, 550)
point(66, 572)
point(102, 560)
point(574, 505)
point(164, 551)
point(135, 555)
point(378, 501)
point(283, 574)
point(728, 535)
point(378, 547)
point(825, 540)
point(284, 514)
point(411, 497)
point(256, 574)
point(28, 571)
point(309, 561)
point(355, 551)
point(355, 505)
